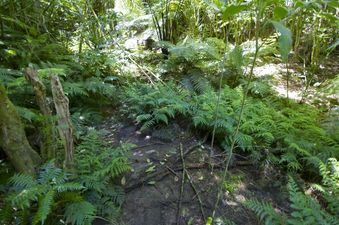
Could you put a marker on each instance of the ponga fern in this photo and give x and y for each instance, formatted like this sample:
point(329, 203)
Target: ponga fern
point(36, 198)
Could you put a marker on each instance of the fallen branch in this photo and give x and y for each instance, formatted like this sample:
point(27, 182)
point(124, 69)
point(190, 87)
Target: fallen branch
point(196, 194)
point(162, 173)
point(182, 184)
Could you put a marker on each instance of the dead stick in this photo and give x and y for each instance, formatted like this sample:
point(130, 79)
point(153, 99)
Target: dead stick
point(159, 175)
point(182, 184)
point(196, 194)
point(172, 171)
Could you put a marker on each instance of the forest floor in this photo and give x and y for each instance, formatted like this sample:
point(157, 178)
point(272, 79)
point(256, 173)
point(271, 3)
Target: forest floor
point(153, 187)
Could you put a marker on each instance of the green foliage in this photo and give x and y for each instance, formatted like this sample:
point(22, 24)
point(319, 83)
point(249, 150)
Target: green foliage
point(90, 87)
point(306, 210)
point(74, 213)
point(330, 184)
point(38, 199)
point(232, 183)
point(285, 39)
point(293, 134)
point(92, 190)
point(265, 212)
point(152, 106)
point(98, 168)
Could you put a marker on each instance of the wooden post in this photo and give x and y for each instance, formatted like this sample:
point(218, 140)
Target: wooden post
point(65, 127)
point(49, 138)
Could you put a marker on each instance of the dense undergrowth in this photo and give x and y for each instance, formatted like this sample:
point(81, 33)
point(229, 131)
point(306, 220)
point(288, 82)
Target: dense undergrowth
point(198, 73)
point(292, 132)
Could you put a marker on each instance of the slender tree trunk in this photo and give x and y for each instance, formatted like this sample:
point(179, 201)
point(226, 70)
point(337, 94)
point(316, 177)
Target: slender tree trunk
point(49, 139)
point(13, 138)
point(65, 127)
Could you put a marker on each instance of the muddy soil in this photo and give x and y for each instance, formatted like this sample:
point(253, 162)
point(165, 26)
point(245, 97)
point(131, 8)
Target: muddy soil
point(153, 187)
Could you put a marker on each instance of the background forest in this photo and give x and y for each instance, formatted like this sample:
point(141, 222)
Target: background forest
point(253, 83)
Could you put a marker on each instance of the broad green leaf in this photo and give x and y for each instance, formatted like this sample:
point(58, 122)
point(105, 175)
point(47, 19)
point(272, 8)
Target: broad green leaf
point(232, 10)
point(285, 39)
point(280, 12)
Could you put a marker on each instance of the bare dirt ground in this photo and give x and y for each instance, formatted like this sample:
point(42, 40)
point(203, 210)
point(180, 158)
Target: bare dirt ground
point(153, 188)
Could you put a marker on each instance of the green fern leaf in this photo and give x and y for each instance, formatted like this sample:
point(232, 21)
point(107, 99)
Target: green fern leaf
point(80, 213)
point(45, 205)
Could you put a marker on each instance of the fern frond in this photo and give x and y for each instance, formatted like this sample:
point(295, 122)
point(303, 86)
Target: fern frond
point(144, 117)
point(115, 168)
point(27, 114)
point(24, 198)
point(79, 213)
point(265, 212)
point(75, 89)
point(48, 172)
point(69, 187)
point(45, 205)
point(159, 117)
point(21, 181)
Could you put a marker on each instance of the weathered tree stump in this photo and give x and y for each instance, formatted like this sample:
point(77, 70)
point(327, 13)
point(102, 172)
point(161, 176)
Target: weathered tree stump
point(65, 127)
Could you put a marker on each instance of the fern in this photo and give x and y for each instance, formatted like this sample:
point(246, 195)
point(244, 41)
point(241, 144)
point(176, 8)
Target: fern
point(98, 168)
point(8, 76)
point(330, 184)
point(38, 197)
point(22, 181)
point(293, 133)
point(155, 106)
point(265, 212)
point(44, 207)
point(306, 210)
point(80, 213)
point(27, 114)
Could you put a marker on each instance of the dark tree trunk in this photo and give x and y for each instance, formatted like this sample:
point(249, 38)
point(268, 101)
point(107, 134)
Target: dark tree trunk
point(13, 138)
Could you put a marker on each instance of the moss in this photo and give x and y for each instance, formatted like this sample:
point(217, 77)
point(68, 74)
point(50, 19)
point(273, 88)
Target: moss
point(13, 138)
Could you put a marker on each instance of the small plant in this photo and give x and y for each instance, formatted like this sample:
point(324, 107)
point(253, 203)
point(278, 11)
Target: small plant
point(232, 183)
point(306, 210)
point(152, 106)
point(46, 199)
point(98, 168)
